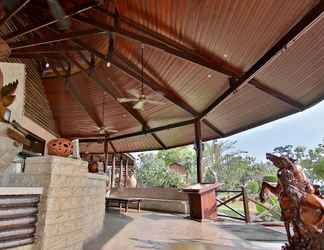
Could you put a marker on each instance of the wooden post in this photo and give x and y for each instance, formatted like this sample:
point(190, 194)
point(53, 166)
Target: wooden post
point(246, 205)
point(121, 171)
point(113, 169)
point(106, 155)
point(198, 148)
point(126, 172)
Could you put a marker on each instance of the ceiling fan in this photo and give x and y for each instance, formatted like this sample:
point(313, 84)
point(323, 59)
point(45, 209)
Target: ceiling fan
point(55, 8)
point(104, 130)
point(139, 97)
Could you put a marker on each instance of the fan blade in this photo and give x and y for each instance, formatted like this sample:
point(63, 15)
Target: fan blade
point(139, 105)
point(122, 100)
point(134, 92)
point(155, 102)
point(58, 12)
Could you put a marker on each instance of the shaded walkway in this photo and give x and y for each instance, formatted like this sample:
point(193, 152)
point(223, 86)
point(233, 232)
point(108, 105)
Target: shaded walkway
point(149, 230)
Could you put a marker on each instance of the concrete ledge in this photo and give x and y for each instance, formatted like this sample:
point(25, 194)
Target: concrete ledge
point(20, 190)
point(168, 200)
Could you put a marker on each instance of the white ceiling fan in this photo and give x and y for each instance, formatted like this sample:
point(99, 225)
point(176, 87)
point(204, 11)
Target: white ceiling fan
point(104, 130)
point(139, 98)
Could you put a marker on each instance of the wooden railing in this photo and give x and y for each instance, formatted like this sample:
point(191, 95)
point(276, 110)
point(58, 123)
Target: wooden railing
point(226, 203)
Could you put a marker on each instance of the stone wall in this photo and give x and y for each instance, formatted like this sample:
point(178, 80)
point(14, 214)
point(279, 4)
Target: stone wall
point(72, 207)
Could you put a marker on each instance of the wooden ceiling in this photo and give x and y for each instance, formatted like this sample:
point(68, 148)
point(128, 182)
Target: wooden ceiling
point(233, 64)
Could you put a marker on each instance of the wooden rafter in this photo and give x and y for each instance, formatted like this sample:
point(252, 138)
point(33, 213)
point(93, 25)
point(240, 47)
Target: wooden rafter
point(55, 49)
point(139, 133)
point(77, 96)
point(163, 43)
point(184, 53)
point(57, 38)
point(123, 64)
point(132, 70)
point(286, 41)
point(30, 29)
point(10, 15)
point(212, 127)
point(111, 90)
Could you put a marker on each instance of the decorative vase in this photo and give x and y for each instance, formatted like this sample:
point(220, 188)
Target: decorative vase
point(9, 148)
point(60, 147)
point(132, 182)
point(93, 167)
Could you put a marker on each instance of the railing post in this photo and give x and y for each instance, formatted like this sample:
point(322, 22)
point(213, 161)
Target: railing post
point(246, 205)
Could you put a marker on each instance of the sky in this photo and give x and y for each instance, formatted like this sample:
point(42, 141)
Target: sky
point(302, 129)
point(305, 128)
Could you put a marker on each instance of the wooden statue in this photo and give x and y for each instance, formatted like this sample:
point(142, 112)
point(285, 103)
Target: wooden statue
point(302, 210)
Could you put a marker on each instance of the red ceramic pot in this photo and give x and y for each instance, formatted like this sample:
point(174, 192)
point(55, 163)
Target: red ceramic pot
point(60, 147)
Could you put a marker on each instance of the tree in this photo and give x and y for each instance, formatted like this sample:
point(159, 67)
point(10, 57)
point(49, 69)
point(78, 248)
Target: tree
point(153, 172)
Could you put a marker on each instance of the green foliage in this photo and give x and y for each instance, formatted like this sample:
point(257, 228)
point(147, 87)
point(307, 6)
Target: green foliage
point(312, 160)
point(275, 211)
point(253, 187)
point(222, 162)
point(270, 178)
point(153, 170)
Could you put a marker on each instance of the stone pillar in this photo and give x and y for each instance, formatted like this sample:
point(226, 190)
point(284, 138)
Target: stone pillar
point(72, 207)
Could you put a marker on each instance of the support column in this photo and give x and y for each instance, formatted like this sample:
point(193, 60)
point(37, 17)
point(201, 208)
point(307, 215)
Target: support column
point(113, 169)
point(121, 171)
point(198, 147)
point(106, 155)
point(126, 173)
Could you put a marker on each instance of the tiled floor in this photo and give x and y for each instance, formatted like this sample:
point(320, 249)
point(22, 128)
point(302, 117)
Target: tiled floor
point(148, 230)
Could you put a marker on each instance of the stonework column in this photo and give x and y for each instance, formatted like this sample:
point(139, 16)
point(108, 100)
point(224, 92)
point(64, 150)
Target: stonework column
point(72, 207)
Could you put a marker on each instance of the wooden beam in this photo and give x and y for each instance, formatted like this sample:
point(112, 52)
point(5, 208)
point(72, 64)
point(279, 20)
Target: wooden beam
point(198, 147)
point(126, 172)
point(111, 90)
point(123, 64)
point(49, 50)
point(112, 146)
point(10, 15)
point(113, 170)
point(32, 56)
point(121, 172)
point(75, 93)
point(213, 127)
point(30, 29)
point(172, 47)
point(185, 53)
point(139, 133)
point(284, 98)
point(57, 38)
point(106, 154)
point(280, 47)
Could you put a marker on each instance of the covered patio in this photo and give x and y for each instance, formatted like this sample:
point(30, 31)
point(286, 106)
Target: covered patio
point(132, 76)
point(175, 232)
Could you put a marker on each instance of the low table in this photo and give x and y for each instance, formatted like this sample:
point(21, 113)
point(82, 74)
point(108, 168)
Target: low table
point(125, 201)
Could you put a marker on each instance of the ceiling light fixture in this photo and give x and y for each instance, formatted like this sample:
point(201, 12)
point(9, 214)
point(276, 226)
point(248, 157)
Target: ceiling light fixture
point(108, 64)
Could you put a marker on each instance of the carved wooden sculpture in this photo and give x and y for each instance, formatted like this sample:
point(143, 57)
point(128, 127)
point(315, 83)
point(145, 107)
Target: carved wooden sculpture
point(301, 208)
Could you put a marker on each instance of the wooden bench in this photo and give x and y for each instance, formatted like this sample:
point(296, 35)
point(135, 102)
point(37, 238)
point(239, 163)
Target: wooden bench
point(120, 201)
